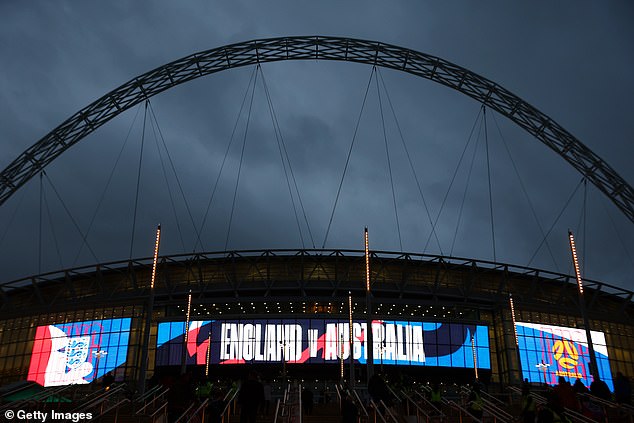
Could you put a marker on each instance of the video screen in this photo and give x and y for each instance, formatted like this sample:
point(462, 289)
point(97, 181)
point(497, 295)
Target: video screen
point(79, 352)
point(548, 352)
point(323, 341)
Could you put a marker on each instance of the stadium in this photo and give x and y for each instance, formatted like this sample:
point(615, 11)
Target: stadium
point(304, 313)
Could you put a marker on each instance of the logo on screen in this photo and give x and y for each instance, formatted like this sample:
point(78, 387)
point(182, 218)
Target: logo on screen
point(78, 352)
point(566, 354)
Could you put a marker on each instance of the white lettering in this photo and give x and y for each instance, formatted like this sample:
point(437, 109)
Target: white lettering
point(330, 349)
point(224, 342)
point(418, 353)
point(248, 337)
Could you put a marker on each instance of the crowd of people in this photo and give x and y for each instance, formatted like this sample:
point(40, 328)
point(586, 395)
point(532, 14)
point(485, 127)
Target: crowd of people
point(564, 398)
point(254, 398)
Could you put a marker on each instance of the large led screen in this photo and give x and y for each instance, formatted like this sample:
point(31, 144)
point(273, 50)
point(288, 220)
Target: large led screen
point(79, 352)
point(322, 341)
point(548, 352)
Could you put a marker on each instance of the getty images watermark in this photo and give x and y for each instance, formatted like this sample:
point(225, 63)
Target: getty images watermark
point(46, 416)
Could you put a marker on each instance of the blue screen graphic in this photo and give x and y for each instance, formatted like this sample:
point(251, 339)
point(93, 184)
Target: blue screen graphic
point(395, 342)
point(549, 352)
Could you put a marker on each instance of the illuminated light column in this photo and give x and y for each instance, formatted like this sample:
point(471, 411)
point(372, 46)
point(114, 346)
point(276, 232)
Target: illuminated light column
point(341, 356)
point(148, 316)
point(351, 381)
point(582, 304)
point(208, 353)
point(368, 301)
point(186, 333)
point(475, 357)
point(517, 342)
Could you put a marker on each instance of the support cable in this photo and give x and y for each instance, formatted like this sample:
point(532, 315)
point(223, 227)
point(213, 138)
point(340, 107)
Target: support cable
point(453, 179)
point(580, 225)
point(12, 217)
point(72, 218)
point(244, 143)
point(50, 222)
point(178, 182)
point(278, 136)
point(556, 220)
point(345, 168)
point(389, 165)
point(466, 189)
point(109, 180)
point(167, 184)
point(618, 234)
point(525, 192)
point(138, 180)
point(409, 159)
point(486, 142)
point(224, 159)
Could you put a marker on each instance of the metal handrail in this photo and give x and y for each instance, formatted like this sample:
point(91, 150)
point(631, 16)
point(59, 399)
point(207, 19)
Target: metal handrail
point(388, 411)
point(491, 408)
point(461, 409)
point(147, 404)
point(356, 395)
point(299, 400)
point(100, 399)
point(231, 395)
point(38, 396)
point(148, 394)
point(429, 403)
point(606, 403)
point(277, 410)
point(200, 408)
point(337, 389)
point(396, 397)
point(493, 399)
point(376, 411)
point(182, 416)
point(573, 414)
point(419, 408)
point(161, 408)
point(117, 405)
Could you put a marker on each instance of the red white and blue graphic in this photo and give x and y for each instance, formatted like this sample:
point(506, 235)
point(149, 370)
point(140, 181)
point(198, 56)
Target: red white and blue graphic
point(79, 352)
point(548, 352)
point(323, 341)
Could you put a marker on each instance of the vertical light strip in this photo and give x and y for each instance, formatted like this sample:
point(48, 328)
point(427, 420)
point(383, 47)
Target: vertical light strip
point(351, 357)
point(148, 317)
point(189, 309)
point(156, 250)
point(341, 356)
point(575, 261)
point(350, 321)
point(517, 343)
point(594, 370)
point(208, 352)
point(369, 342)
point(475, 357)
point(367, 262)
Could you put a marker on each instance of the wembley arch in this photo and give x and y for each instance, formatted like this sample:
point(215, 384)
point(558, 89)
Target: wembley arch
point(436, 69)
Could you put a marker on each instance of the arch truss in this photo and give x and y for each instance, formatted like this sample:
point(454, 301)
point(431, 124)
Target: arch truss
point(483, 90)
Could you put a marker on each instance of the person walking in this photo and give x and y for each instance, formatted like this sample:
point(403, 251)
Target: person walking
point(476, 404)
point(529, 407)
point(250, 397)
point(622, 389)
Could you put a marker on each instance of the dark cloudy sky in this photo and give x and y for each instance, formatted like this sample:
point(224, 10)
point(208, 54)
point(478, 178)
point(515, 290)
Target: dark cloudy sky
point(573, 60)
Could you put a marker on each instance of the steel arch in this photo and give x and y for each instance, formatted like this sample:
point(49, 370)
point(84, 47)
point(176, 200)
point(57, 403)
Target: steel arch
point(487, 92)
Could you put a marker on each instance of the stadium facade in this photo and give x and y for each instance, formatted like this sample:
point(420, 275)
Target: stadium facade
point(269, 307)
